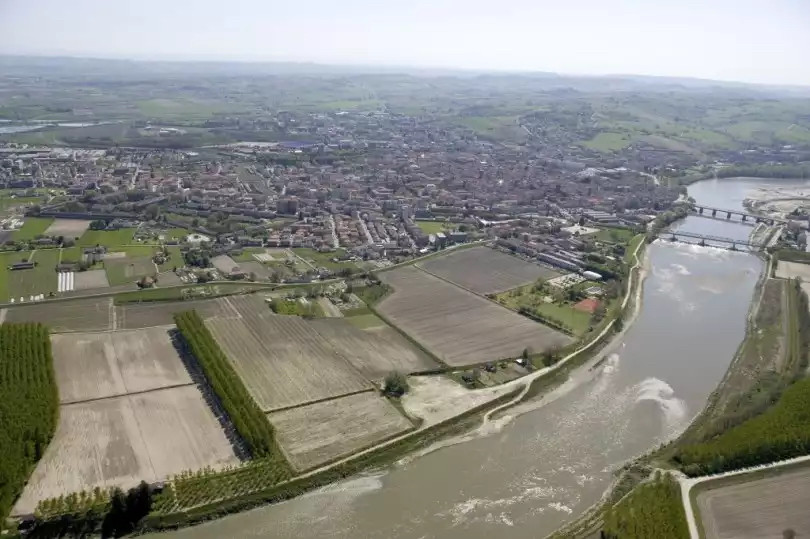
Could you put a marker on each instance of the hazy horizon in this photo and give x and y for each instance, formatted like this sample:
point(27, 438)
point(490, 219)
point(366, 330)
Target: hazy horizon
point(741, 41)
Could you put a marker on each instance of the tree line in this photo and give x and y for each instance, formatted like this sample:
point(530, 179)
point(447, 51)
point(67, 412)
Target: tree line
point(246, 416)
point(779, 433)
point(653, 509)
point(29, 408)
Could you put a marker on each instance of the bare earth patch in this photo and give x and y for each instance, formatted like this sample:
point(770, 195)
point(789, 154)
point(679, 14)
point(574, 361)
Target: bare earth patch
point(459, 327)
point(791, 270)
point(317, 433)
point(283, 361)
point(224, 263)
point(84, 280)
point(761, 508)
point(436, 398)
point(122, 440)
point(69, 228)
point(485, 270)
point(96, 365)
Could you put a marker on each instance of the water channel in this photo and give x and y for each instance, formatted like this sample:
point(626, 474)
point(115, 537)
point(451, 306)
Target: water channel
point(527, 473)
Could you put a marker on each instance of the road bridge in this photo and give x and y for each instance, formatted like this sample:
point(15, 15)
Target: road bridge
point(700, 209)
point(705, 239)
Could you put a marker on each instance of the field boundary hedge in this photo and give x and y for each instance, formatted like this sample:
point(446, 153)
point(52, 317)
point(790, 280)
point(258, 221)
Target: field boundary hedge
point(248, 419)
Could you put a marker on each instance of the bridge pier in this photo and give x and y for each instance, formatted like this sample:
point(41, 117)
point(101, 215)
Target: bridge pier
point(743, 217)
point(700, 211)
point(728, 215)
point(714, 213)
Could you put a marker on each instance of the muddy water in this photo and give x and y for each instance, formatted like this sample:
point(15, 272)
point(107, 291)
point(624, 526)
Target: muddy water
point(546, 462)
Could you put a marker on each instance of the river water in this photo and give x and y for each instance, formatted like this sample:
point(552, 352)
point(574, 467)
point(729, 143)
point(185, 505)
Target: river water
point(526, 473)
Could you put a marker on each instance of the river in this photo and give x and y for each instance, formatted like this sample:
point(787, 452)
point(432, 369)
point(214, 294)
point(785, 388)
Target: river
point(546, 462)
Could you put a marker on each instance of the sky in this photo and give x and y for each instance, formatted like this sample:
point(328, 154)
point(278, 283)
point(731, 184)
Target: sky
point(764, 41)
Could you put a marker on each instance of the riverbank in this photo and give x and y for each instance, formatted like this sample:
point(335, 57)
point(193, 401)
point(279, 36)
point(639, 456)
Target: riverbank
point(431, 435)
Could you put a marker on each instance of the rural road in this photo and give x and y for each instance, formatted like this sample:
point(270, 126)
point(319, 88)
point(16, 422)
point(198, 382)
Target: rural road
point(688, 482)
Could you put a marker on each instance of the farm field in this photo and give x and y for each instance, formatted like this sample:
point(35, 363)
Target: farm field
point(69, 228)
point(42, 279)
point(224, 264)
point(127, 270)
point(432, 227)
point(32, 227)
point(374, 352)
point(106, 364)
point(324, 260)
point(283, 362)
point(791, 270)
point(459, 327)
point(148, 314)
point(760, 508)
point(484, 270)
point(120, 441)
point(108, 238)
point(318, 433)
point(76, 315)
point(85, 280)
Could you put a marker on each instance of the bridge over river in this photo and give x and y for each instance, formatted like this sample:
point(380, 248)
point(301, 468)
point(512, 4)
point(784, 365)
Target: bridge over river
point(700, 209)
point(705, 239)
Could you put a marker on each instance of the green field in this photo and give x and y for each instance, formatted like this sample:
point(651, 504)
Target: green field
point(364, 321)
point(26, 283)
point(652, 509)
point(128, 270)
point(247, 254)
point(175, 234)
point(432, 227)
point(8, 202)
point(526, 297)
point(175, 259)
point(32, 227)
point(614, 235)
point(107, 238)
point(324, 260)
point(631, 248)
point(608, 142)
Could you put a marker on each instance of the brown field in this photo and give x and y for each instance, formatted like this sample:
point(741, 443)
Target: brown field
point(122, 440)
point(791, 270)
point(76, 315)
point(124, 270)
point(485, 271)
point(759, 508)
point(283, 362)
point(374, 352)
point(148, 314)
point(97, 365)
point(261, 271)
point(224, 263)
point(317, 433)
point(459, 327)
point(70, 228)
point(84, 280)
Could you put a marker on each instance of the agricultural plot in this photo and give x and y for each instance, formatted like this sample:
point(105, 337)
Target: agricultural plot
point(75, 315)
point(149, 314)
point(122, 440)
point(97, 365)
point(32, 227)
point(459, 327)
point(257, 269)
point(69, 228)
point(283, 361)
point(374, 352)
point(791, 270)
point(315, 434)
point(87, 280)
point(760, 508)
point(224, 263)
point(484, 270)
point(108, 238)
point(127, 270)
point(41, 279)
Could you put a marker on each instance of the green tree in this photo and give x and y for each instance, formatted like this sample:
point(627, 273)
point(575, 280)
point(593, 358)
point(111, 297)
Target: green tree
point(396, 384)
